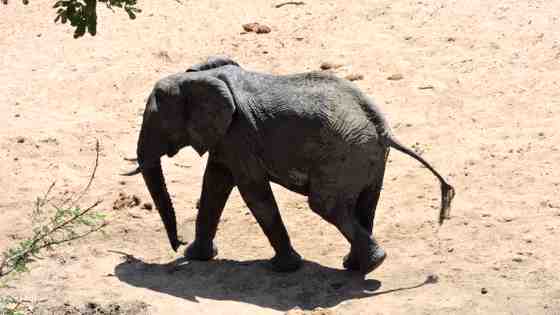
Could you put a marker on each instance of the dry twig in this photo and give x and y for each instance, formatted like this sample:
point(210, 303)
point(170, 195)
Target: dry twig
point(289, 3)
point(61, 228)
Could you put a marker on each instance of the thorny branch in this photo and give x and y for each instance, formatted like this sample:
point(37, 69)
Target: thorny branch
point(46, 235)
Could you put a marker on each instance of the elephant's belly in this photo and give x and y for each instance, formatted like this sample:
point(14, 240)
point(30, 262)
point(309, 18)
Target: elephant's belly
point(292, 179)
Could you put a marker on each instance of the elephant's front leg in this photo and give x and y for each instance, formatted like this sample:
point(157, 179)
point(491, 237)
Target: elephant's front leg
point(216, 188)
point(260, 200)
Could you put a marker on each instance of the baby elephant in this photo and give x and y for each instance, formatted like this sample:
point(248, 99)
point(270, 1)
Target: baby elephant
point(313, 133)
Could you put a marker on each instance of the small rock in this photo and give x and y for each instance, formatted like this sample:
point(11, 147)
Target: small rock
point(326, 66)
point(432, 278)
point(136, 200)
point(483, 291)
point(395, 77)
point(407, 37)
point(125, 201)
point(256, 28)
point(91, 305)
point(517, 259)
point(20, 139)
point(329, 65)
point(354, 77)
point(450, 250)
point(450, 39)
point(17, 115)
point(147, 206)
point(122, 182)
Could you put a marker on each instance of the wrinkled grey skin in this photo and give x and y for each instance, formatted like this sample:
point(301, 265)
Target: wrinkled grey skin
point(313, 133)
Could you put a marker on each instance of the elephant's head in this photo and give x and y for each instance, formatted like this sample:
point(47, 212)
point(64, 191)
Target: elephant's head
point(183, 109)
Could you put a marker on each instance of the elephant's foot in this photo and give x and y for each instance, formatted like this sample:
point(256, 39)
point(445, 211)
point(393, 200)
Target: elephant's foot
point(198, 251)
point(286, 262)
point(365, 263)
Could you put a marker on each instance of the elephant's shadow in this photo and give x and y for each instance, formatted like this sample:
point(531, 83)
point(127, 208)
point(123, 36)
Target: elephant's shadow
point(251, 282)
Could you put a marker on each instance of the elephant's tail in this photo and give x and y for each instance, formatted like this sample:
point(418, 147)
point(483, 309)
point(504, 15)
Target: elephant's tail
point(447, 191)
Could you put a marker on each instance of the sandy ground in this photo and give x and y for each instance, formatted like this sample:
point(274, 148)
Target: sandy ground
point(480, 97)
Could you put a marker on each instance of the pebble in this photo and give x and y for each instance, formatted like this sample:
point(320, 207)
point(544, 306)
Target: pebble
point(147, 206)
point(395, 77)
point(432, 278)
point(517, 259)
point(257, 28)
point(483, 291)
point(354, 77)
point(329, 65)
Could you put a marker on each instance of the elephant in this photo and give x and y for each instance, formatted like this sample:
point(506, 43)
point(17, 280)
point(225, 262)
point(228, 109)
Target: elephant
point(313, 133)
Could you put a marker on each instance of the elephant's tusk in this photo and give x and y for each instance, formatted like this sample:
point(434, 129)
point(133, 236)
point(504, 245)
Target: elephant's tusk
point(133, 172)
point(130, 159)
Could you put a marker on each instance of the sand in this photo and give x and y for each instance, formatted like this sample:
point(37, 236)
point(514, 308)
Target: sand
point(472, 85)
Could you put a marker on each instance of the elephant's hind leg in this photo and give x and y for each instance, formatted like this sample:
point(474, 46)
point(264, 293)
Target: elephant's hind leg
point(365, 214)
point(365, 254)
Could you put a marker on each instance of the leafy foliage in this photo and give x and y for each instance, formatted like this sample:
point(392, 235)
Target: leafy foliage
point(68, 222)
point(10, 306)
point(82, 14)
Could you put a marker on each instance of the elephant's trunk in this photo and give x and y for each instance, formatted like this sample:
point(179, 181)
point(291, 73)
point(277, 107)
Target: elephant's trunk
point(153, 176)
point(151, 146)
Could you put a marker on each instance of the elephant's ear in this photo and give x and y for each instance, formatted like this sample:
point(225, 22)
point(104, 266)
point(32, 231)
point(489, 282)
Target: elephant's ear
point(211, 63)
point(210, 108)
